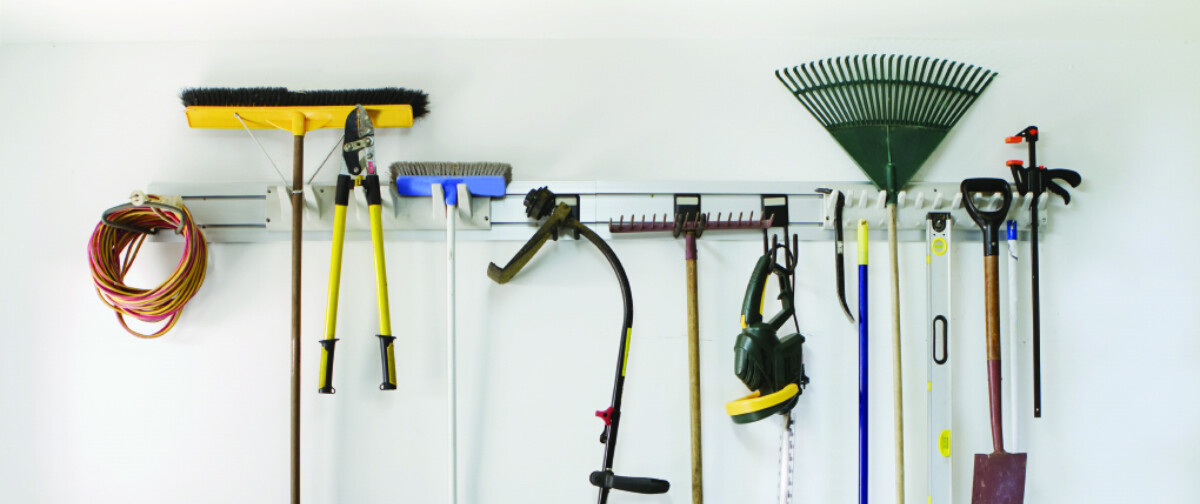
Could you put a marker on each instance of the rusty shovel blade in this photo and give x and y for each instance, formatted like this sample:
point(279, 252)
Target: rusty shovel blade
point(999, 478)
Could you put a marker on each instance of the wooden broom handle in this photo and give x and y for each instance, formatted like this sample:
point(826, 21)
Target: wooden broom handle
point(297, 228)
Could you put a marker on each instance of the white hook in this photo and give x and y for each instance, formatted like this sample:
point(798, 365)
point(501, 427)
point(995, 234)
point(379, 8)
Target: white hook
point(312, 204)
point(881, 200)
point(862, 201)
point(1043, 200)
point(937, 201)
point(900, 197)
point(920, 203)
point(957, 203)
point(464, 200)
point(437, 197)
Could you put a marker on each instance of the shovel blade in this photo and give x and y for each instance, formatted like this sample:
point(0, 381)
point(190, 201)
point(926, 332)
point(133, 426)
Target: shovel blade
point(999, 478)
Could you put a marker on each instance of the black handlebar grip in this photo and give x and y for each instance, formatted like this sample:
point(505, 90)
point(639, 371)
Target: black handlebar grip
point(326, 385)
point(604, 479)
point(389, 362)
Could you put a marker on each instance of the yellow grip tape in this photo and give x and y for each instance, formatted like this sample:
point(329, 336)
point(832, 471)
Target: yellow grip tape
point(862, 241)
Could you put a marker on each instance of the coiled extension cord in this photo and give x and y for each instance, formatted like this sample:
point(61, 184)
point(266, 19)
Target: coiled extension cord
point(121, 232)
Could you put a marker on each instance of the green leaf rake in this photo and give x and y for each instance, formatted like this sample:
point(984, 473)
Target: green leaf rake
point(889, 113)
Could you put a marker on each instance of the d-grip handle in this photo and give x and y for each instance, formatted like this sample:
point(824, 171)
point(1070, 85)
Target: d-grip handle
point(989, 221)
point(605, 479)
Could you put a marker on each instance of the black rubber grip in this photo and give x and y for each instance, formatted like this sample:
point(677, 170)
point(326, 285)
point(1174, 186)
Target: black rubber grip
point(604, 479)
point(389, 381)
point(342, 195)
point(370, 184)
point(327, 386)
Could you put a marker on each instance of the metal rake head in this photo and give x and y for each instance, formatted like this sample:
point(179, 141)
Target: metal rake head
point(696, 223)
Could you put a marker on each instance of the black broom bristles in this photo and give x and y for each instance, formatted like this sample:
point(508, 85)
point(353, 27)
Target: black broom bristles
point(282, 97)
point(877, 89)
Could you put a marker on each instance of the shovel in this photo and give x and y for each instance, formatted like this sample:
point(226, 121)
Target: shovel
point(999, 476)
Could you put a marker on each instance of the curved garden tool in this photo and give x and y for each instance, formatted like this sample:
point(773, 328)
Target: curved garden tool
point(539, 204)
point(999, 476)
point(889, 113)
point(1035, 180)
point(298, 112)
point(839, 249)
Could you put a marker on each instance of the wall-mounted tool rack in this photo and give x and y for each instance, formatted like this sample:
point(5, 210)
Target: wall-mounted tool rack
point(232, 213)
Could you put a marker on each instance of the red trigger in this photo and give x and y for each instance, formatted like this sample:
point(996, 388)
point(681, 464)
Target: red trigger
point(606, 415)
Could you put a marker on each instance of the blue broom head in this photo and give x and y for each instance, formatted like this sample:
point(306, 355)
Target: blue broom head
point(481, 179)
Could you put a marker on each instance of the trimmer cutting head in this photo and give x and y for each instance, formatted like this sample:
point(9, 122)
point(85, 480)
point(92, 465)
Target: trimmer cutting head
point(888, 112)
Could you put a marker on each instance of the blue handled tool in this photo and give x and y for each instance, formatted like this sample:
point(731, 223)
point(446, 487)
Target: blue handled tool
point(862, 362)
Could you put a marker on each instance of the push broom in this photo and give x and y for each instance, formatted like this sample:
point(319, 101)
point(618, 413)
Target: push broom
point(298, 112)
point(889, 113)
point(453, 184)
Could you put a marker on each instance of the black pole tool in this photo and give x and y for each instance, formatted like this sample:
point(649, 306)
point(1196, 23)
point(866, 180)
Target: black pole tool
point(839, 246)
point(540, 204)
point(1035, 180)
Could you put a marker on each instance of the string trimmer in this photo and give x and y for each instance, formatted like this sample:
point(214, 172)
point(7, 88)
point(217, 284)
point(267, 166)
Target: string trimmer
point(889, 113)
point(539, 204)
point(1035, 180)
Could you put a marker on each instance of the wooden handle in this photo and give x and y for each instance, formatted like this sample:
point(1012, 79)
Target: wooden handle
point(694, 368)
point(991, 301)
point(897, 375)
point(297, 229)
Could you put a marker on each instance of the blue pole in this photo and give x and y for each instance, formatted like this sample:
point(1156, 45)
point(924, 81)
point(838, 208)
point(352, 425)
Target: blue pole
point(862, 362)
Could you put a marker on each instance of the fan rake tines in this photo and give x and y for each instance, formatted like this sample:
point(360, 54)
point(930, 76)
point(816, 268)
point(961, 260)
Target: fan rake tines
point(892, 90)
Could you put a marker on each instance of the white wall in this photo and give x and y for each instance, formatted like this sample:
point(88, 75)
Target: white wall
point(201, 415)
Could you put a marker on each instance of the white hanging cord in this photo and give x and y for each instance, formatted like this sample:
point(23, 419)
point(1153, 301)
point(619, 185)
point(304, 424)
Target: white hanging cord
point(264, 150)
point(327, 156)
